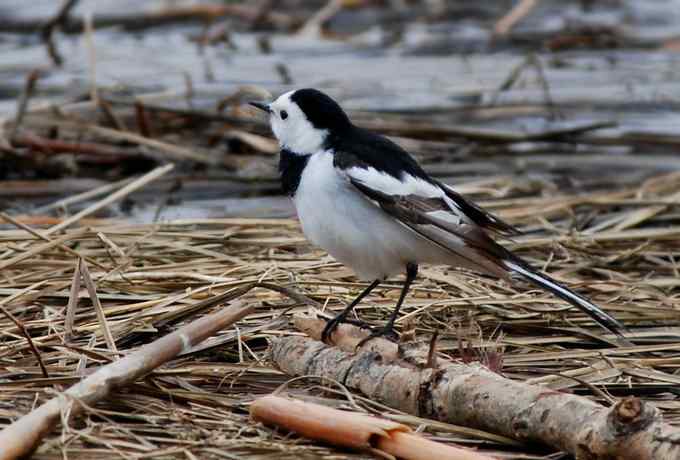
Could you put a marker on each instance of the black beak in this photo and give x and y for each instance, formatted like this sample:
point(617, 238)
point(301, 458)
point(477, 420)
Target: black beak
point(262, 106)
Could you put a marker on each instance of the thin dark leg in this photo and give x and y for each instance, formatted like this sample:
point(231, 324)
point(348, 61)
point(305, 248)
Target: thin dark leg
point(388, 330)
point(333, 323)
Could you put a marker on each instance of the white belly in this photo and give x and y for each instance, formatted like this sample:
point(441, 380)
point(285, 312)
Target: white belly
point(338, 218)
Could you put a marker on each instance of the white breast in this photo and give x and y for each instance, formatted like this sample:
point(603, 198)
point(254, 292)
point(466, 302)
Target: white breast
point(338, 218)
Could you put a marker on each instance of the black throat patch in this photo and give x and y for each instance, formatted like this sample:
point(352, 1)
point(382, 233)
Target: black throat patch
point(291, 167)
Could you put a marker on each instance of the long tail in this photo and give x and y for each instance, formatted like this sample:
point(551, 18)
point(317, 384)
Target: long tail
point(543, 281)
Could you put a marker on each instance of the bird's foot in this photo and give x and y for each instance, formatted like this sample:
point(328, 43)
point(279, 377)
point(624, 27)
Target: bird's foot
point(333, 324)
point(357, 323)
point(386, 332)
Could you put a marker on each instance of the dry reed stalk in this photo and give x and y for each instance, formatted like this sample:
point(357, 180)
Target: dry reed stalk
point(101, 316)
point(37, 234)
point(40, 249)
point(22, 437)
point(155, 277)
point(64, 203)
point(72, 302)
point(119, 194)
point(504, 25)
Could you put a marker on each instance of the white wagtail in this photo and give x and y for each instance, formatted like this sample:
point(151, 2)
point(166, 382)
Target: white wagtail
point(369, 204)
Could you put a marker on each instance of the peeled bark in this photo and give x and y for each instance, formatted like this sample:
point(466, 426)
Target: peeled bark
point(354, 430)
point(471, 395)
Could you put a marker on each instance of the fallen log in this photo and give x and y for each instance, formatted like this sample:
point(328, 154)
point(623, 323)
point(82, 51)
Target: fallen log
point(472, 395)
point(22, 437)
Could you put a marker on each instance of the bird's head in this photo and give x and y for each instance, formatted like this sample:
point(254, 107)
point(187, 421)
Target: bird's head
point(303, 119)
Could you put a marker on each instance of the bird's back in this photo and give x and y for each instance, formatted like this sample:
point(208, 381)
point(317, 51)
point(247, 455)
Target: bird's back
point(373, 150)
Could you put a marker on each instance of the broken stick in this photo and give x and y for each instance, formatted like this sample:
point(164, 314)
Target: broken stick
point(22, 437)
point(354, 430)
point(471, 395)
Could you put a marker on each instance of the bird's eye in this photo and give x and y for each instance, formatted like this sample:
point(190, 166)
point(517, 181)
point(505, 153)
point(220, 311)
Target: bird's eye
point(284, 114)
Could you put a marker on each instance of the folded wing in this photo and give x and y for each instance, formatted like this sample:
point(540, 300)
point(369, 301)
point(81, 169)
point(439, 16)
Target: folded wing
point(445, 218)
point(436, 213)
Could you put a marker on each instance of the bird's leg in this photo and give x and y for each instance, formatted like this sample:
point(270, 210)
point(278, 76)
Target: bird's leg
point(342, 317)
point(387, 331)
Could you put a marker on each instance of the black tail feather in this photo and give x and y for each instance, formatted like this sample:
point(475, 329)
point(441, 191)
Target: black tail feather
point(545, 282)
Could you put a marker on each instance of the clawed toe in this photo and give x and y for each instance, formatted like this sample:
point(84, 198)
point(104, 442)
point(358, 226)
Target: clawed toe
point(333, 324)
point(357, 323)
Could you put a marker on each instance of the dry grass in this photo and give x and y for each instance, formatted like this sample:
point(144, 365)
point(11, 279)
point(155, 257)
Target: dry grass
point(149, 278)
point(618, 246)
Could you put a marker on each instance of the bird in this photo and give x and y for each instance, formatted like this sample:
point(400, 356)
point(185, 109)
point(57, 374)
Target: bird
point(372, 207)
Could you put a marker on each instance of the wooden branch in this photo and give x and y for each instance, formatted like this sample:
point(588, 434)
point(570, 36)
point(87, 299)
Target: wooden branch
point(143, 20)
point(471, 395)
point(353, 430)
point(346, 337)
point(57, 146)
point(22, 437)
point(429, 131)
point(170, 151)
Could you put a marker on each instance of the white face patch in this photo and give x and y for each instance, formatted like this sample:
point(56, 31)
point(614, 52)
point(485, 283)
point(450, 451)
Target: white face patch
point(292, 128)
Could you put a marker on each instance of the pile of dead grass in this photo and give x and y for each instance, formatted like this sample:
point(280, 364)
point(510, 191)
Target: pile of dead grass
point(618, 248)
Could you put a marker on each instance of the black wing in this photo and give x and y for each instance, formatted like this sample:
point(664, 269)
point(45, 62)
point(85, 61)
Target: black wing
point(363, 149)
point(481, 217)
point(393, 181)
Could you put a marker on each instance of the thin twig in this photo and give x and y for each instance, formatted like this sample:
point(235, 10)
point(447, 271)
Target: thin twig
point(22, 103)
point(92, 58)
point(432, 351)
point(25, 333)
point(47, 30)
point(143, 120)
point(72, 302)
point(516, 14)
point(298, 297)
point(101, 316)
